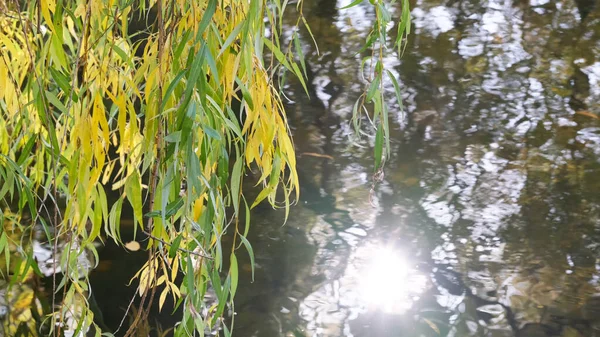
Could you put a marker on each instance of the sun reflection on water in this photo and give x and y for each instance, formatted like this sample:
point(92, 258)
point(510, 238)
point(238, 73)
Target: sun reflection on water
point(377, 279)
point(390, 283)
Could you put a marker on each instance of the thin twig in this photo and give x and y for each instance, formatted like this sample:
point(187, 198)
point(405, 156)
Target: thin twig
point(133, 326)
point(318, 155)
point(126, 312)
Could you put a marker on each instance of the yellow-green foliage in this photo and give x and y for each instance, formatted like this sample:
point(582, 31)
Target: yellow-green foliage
point(81, 114)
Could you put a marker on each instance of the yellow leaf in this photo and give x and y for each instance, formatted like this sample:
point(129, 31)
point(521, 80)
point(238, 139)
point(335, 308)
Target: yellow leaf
point(175, 290)
point(133, 246)
point(174, 268)
point(432, 325)
point(163, 297)
point(107, 172)
point(144, 280)
point(587, 114)
point(79, 11)
point(101, 119)
point(46, 13)
point(198, 208)
point(23, 300)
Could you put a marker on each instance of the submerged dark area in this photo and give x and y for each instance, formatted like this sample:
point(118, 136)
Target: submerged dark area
point(487, 222)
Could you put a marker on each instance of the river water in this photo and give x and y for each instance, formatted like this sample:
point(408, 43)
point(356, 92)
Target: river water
point(487, 222)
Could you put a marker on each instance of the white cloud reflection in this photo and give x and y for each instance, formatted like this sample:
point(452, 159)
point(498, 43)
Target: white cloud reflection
point(434, 20)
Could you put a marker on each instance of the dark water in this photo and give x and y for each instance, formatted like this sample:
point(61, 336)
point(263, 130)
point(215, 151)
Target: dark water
point(487, 222)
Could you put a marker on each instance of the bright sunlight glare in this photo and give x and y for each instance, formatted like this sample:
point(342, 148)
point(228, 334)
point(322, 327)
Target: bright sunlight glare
point(389, 283)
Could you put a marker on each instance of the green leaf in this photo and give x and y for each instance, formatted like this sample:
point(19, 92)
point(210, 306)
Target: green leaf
point(103, 202)
point(26, 150)
point(373, 88)
point(247, 224)
point(173, 207)
point(194, 172)
point(236, 179)
point(245, 93)
point(403, 27)
point(352, 4)
point(96, 220)
point(386, 128)
point(153, 214)
point(170, 89)
point(356, 116)
point(215, 280)
point(206, 18)
point(8, 183)
point(212, 133)
point(189, 276)
point(165, 188)
point(114, 223)
point(194, 74)
point(250, 253)
point(56, 102)
point(300, 77)
point(396, 87)
point(371, 38)
point(179, 49)
point(133, 190)
point(307, 26)
point(406, 15)
point(385, 14)
point(187, 122)
point(62, 80)
point(57, 50)
point(214, 72)
point(233, 271)
point(6, 249)
point(278, 54)
point(234, 33)
point(262, 195)
point(174, 246)
point(122, 55)
point(223, 299)
point(173, 137)
point(300, 53)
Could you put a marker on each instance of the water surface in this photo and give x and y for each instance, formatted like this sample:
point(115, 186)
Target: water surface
point(487, 222)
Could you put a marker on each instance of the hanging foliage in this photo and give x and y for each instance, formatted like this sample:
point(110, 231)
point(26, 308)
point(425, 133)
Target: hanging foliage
point(91, 107)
